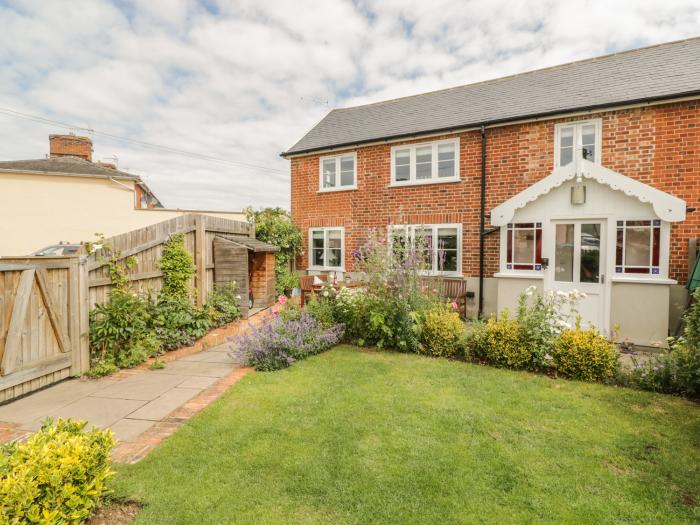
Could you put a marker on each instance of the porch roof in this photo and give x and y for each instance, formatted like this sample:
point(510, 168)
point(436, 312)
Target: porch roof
point(666, 206)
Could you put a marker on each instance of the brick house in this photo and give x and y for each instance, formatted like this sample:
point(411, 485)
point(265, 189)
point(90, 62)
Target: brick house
point(584, 175)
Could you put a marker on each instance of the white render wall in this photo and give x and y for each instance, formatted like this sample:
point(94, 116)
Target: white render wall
point(39, 210)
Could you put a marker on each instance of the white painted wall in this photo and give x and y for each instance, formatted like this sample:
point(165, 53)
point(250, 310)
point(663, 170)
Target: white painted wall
point(39, 210)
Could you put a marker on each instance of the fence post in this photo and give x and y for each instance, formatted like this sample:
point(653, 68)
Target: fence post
point(81, 342)
point(200, 235)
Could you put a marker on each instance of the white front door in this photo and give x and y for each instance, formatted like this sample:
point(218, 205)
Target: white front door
point(577, 262)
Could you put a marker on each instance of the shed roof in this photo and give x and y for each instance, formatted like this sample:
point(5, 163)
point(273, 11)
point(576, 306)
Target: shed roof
point(652, 73)
point(252, 244)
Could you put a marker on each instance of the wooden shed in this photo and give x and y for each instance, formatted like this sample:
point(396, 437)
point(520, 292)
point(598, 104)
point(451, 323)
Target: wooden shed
point(251, 263)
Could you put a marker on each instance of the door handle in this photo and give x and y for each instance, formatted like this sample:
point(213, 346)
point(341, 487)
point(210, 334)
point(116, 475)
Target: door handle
point(602, 278)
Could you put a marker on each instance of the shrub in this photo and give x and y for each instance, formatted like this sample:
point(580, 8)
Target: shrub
point(277, 342)
point(177, 323)
point(584, 354)
point(498, 342)
point(223, 304)
point(119, 333)
point(178, 268)
point(57, 476)
point(322, 310)
point(442, 332)
point(678, 370)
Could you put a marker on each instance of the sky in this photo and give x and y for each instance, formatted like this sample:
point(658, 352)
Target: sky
point(238, 82)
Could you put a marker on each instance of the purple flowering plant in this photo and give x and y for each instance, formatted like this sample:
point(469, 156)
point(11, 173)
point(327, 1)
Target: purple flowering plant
point(280, 340)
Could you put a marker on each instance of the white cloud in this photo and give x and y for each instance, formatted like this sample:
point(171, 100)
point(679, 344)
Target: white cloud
point(243, 80)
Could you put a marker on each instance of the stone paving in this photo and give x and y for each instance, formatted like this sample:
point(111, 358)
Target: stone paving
point(142, 407)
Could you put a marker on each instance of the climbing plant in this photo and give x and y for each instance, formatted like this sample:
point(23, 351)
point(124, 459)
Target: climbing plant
point(117, 266)
point(178, 269)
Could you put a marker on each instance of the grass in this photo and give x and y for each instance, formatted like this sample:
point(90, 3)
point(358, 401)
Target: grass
point(355, 436)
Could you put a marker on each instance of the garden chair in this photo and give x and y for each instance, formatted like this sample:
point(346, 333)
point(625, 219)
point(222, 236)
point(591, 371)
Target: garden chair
point(306, 284)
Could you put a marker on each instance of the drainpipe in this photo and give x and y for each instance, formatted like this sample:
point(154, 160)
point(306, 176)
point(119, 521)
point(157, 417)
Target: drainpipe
point(482, 218)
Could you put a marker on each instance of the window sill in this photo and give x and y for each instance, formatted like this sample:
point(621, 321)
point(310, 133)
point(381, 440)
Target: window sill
point(324, 269)
point(642, 280)
point(519, 275)
point(424, 183)
point(335, 190)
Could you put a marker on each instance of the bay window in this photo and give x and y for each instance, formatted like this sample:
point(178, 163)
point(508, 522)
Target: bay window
point(638, 246)
point(338, 172)
point(577, 138)
point(326, 248)
point(425, 163)
point(437, 245)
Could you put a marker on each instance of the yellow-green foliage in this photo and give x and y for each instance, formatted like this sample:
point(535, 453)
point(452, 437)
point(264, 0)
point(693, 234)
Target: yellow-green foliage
point(442, 333)
point(498, 342)
point(584, 354)
point(57, 476)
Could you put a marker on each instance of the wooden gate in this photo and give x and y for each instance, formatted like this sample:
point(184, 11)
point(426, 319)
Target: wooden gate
point(43, 322)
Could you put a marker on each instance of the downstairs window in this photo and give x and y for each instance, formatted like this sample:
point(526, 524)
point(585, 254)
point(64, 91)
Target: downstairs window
point(638, 246)
point(524, 246)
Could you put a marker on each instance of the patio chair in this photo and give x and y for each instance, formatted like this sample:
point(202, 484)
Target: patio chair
point(306, 283)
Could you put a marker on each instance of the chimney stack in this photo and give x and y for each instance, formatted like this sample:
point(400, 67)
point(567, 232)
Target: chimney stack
point(70, 146)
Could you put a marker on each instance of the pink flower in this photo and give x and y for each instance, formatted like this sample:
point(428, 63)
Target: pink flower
point(282, 299)
point(454, 305)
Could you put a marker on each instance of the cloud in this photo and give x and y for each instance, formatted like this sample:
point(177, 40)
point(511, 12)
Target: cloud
point(243, 80)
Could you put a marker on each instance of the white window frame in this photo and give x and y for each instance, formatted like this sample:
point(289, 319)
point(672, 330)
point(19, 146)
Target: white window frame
point(578, 125)
point(410, 229)
point(325, 266)
point(434, 179)
point(337, 159)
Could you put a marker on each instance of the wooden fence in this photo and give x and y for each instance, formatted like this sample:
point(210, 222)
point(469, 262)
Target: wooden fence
point(146, 246)
point(45, 301)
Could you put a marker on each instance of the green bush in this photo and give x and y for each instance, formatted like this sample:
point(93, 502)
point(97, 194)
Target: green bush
point(223, 304)
point(178, 269)
point(178, 323)
point(120, 336)
point(498, 342)
point(676, 371)
point(57, 476)
point(442, 333)
point(322, 310)
point(584, 354)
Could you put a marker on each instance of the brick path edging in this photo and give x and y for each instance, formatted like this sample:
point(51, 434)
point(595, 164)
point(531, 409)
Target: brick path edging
point(131, 452)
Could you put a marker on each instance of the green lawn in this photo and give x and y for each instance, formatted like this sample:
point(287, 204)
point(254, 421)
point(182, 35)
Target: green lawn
point(355, 436)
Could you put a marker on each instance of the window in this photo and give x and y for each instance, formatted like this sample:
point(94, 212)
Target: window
point(578, 137)
point(425, 163)
point(338, 173)
point(438, 245)
point(327, 246)
point(524, 246)
point(638, 246)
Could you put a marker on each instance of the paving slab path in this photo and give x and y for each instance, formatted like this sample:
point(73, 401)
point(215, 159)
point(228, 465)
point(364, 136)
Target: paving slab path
point(137, 405)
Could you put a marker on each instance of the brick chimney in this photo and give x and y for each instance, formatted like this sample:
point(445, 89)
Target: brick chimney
point(70, 146)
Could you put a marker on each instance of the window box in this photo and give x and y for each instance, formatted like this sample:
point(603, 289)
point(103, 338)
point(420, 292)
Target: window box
point(425, 163)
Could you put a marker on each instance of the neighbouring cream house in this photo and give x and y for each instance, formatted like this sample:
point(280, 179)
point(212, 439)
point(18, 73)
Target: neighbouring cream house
point(68, 198)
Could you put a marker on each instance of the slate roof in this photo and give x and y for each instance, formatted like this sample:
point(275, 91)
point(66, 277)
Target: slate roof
point(65, 166)
point(641, 75)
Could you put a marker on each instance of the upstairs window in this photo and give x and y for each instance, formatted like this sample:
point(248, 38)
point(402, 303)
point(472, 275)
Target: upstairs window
point(327, 248)
point(438, 245)
point(524, 246)
point(338, 173)
point(577, 138)
point(425, 163)
point(638, 247)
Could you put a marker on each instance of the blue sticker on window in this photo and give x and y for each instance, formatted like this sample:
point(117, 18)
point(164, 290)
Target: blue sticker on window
point(510, 225)
point(620, 223)
point(655, 270)
point(538, 225)
point(509, 266)
point(538, 267)
point(618, 269)
point(657, 222)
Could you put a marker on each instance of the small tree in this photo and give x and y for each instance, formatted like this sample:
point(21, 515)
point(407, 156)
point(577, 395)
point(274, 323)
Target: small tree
point(274, 225)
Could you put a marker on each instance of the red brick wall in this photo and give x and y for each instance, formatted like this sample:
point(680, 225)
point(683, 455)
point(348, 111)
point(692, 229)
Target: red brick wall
point(70, 145)
point(657, 145)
